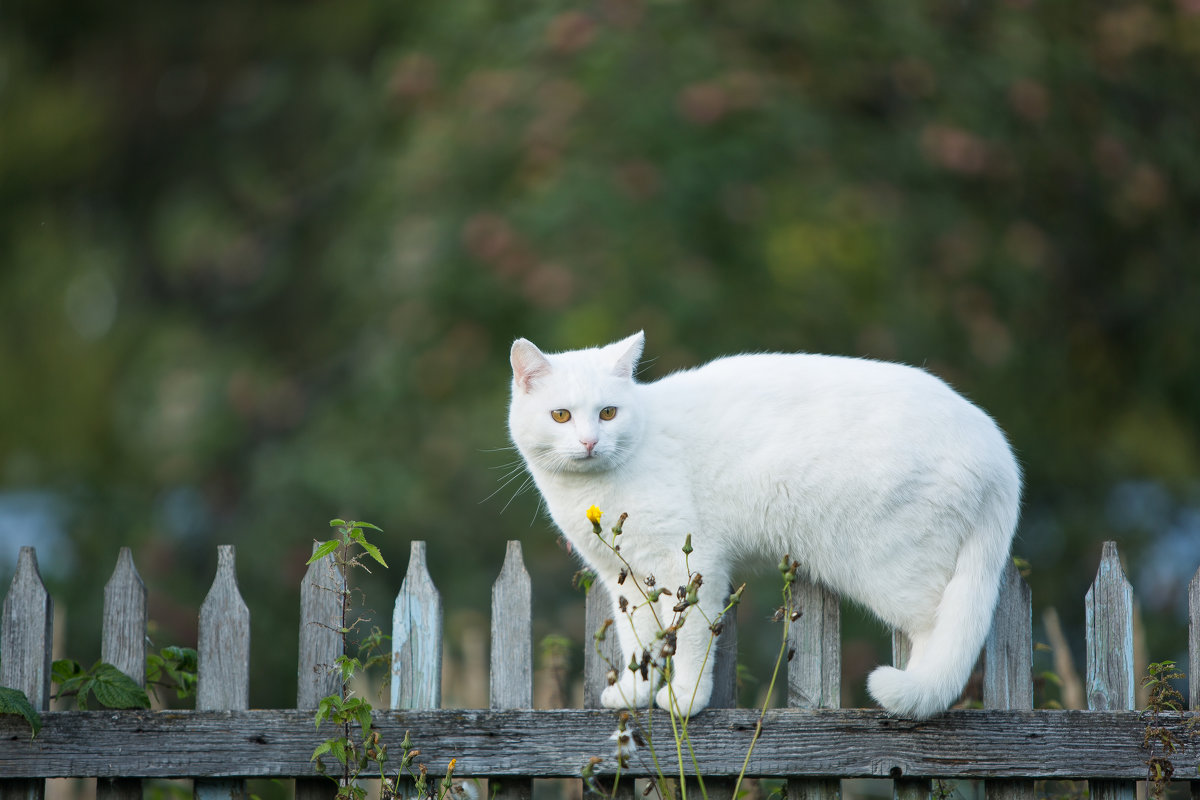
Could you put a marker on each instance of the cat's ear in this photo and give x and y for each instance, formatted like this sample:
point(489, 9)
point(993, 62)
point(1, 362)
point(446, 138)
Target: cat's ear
point(528, 364)
point(630, 351)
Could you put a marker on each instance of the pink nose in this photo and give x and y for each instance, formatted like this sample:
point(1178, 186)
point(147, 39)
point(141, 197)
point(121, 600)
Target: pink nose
point(589, 444)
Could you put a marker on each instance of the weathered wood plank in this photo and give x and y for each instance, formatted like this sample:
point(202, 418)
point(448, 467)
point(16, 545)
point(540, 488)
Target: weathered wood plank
point(123, 644)
point(1194, 656)
point(417, 637)
point(511, 677)
point(26, 635)
point(1008, 666)
point(906, 788)
point(815, 670)
point(845, 743)
point(223, 681)
point(1110, 678)
point(598, 658)
point(321, 593)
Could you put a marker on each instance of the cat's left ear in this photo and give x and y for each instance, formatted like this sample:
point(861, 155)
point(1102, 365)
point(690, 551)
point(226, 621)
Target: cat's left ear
point(528, 364)
point(630, 351)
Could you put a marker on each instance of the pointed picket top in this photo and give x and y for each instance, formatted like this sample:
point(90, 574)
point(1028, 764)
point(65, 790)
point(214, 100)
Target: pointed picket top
point(417, 638)
point(1008, 654)
point(815, 671)
point(224, 647)
point(1109, 607)
point(1194, 643)
point(321, 594)
point(27, 632)
point(123, 636)
point(511, 683)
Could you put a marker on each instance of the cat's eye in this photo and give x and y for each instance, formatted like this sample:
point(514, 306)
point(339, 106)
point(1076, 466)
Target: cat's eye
point(608, 412)
point(560, 415)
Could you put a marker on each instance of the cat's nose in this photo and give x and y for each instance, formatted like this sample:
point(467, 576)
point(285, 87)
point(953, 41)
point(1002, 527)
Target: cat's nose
point(589, 444)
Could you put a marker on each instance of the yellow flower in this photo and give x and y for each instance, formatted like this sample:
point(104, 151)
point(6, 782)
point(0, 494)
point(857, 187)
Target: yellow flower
point(593, 515)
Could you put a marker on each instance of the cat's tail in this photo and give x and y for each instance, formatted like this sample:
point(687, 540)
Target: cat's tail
point(943, 658)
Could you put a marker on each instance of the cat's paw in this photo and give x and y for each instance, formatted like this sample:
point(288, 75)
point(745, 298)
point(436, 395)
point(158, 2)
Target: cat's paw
point(684, 699)
point(631, 691)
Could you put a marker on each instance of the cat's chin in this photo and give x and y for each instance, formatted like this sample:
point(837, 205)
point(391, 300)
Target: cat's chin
point(588, 464)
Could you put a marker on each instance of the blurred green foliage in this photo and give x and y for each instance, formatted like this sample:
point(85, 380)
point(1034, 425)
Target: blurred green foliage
point(262, 262)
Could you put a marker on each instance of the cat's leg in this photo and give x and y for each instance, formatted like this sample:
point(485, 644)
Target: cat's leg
point(695, 644)
point(637, 627)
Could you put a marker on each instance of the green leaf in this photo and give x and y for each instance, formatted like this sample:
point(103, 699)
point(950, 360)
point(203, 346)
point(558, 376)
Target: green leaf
point(64, 669)
point(115, 689)
point(14, 701)
point(323, 550)
point(373, 551)
point(368, 525)
point(336, 523)
point(321, 750)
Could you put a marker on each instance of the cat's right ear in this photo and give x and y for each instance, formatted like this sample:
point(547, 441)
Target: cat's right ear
point(528, 364)
point(630, 349)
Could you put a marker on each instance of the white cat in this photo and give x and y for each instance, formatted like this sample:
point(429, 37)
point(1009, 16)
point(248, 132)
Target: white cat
point(886, 486)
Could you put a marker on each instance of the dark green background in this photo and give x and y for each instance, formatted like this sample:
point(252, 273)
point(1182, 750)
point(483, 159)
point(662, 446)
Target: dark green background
point(261, 264)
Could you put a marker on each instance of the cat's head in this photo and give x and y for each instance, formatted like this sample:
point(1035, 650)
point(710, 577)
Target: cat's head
point(575, 411)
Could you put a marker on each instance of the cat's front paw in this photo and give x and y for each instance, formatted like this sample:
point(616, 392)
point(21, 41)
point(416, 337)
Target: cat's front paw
point(683, 698)
point(631, 691)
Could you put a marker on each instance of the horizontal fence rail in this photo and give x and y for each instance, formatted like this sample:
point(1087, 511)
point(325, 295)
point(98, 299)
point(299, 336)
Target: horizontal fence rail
point(556, 743)
point(811, 742)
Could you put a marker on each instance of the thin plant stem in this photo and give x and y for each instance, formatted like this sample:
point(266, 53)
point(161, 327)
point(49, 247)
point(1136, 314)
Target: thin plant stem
point(787, 593)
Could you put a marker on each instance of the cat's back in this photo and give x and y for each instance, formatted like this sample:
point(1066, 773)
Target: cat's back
point(852, 404)
point(768, 380)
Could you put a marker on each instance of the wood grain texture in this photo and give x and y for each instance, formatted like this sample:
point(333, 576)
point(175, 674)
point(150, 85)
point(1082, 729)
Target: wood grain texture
point(123, 644)
point(834, 743)
point(815, 670)
point(417, 637)
point(321, 593)
point(598, 659)
point(26, 635)
point(1194, 656)
point(123, 637)
point(906, 788)
point(1109, 633)
point(511, 677)
point(224, 641)
point(224, 660)
point(1008, 666)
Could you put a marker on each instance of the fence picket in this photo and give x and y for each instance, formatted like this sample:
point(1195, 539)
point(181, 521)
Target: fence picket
point(320, 645)
point(1008, 666)
point(597, 657)
point(123, 644)
point(907, 788)
point(417, 637)
point(1194, 655)
point(417, 644)
point(1110, 678)
point(511, 679)
point(815, 671)
point(25, 641)
point(224, 661)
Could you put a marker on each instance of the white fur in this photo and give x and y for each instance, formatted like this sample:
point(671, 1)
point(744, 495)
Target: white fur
point(886, 486)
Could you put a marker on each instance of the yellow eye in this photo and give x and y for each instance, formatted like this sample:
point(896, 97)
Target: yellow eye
point(608, 412)
point(560, 415)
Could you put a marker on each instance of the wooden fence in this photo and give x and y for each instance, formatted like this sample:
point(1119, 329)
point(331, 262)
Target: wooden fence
point(812, 743)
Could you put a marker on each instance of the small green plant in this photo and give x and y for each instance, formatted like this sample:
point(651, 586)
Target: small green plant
point(358, 747)
point(658, 656)
point(1161, 739)
point(106, 685)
